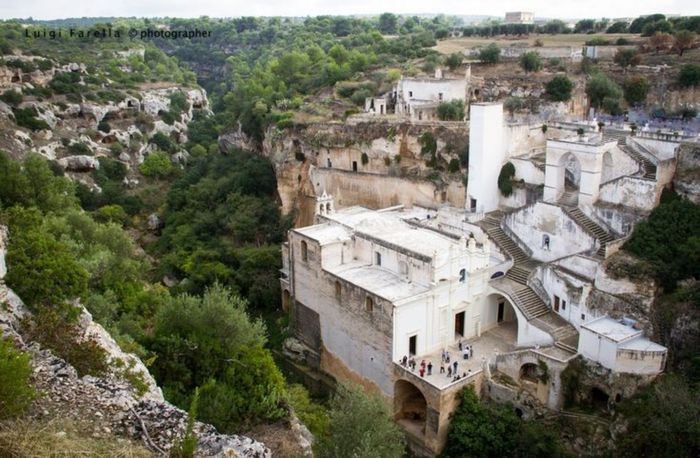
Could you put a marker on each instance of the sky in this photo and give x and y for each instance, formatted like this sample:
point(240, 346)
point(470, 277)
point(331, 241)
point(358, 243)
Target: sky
point(565, 9)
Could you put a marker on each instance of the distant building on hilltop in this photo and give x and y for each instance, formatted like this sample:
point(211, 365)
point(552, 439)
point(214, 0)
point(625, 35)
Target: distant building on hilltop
point(520, 17)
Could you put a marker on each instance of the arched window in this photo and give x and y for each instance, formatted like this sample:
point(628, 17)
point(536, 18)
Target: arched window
point(304, 251)
point(328, 208)
point(369, 304)
point(378, 258)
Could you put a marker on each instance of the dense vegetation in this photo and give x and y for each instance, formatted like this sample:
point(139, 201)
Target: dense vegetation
point(480, 430)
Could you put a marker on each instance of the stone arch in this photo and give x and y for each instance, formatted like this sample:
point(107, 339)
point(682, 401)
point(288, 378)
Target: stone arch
point(410, 406)
point(607, 172)
point(570, 166)
point(599, 398)
point(529, 372)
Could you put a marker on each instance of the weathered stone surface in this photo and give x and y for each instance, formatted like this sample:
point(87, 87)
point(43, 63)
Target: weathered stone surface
point(154, 222)
point(79, 163)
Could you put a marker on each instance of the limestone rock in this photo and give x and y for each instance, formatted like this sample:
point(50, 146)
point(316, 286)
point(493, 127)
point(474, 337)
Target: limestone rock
point(154, 222)
point(79, 163)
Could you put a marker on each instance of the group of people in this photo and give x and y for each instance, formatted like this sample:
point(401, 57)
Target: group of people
point(452, 368)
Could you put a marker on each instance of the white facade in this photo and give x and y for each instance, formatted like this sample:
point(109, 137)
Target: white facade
point(620, 347)
point(486, 156)
point(520, 17)
point(418, 98)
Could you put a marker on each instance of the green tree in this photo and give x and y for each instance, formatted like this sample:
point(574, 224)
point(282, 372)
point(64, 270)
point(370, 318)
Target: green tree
point(531, 61)
point(684, 40)
point(15, 391)
point(490, 54)
point(689, 76)
point(617, 27)
point(454, 60)
point(157, 165)
point(636, 89)
point(451, 111)
point(199, 338)
point(505, 179)
point(599, 88)
point(559, 88)
point(41, 269)
point(360, 425)
point(388, 23)
point(627, 57)
point(664, 416)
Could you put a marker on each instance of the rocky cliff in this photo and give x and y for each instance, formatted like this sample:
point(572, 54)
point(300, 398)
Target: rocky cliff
point(375, 163)
point(112, 404)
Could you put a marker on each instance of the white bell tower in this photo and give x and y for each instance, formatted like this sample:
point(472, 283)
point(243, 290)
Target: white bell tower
point(324, 204)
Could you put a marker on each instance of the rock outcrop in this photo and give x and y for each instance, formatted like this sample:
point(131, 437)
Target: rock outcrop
point(687, 179)
point(110, 404)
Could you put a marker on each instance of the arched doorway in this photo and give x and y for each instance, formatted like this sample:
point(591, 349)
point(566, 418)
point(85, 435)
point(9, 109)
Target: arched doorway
point(529, 372)
point(500, 318)
point(570, 170)
point(410, 407)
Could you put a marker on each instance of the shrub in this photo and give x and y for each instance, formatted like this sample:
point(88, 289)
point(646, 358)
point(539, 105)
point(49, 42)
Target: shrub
point(15, 391)
point(505, 177)
point(79, 148)
point(451, 111)
point(42, 270)
point(491, 54)
point(453, 166)
point(11, 97)
point(559, 88)
point(599, 88)
point(26, 117)
point(531, 61)
point(689, 76)
point(635, 89)
point(103, 126)
point(157, 165)
point(428, 144)
point(364, 159)
point(454, 60)
point(56, 328)
point(163, 142)
point(628, 57)
point(116, 149)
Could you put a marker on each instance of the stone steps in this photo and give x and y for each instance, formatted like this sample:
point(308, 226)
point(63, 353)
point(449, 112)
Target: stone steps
point(592, 228)
point(507, 244)
point(530, 303)
point(648, 167)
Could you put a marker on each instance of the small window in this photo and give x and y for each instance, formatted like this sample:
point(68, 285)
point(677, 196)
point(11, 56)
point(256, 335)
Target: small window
point(440, 96)
point(563, 305)
point(304, 251)
point(410, 93)
point(412, 345)
point(583, 316)
point(378, 259)
point(369, 304)
point(545, 242)
point(338, 290)
point(462, 275)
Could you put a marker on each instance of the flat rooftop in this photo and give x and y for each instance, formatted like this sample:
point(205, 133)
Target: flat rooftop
point(612, 329)
point(642, 344)
point(391, 228)
point(377, 280)
point(325, 233)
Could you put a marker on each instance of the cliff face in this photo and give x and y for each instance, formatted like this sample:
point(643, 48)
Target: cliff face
point(109, 405)
point(687, 179)
point(374, 164)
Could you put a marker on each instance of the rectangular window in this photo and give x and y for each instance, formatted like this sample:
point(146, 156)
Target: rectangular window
point(410, 93)
point(462, 275)
point(556, 303)
point(378, 259)
point(583, 316)
point(412, 345)
point(563, 305)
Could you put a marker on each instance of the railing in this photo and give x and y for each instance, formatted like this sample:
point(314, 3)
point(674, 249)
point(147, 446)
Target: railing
point(515, 238)
point(536, 285)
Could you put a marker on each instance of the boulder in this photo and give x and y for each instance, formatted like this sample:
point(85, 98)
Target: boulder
point(154, 222)
point(79, 163)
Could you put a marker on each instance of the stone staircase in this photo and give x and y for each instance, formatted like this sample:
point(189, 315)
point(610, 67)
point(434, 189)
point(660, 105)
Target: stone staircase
point(530, 303)
point(648, 167)
point(569, 198)
point(591, 227)
point(527, 300)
